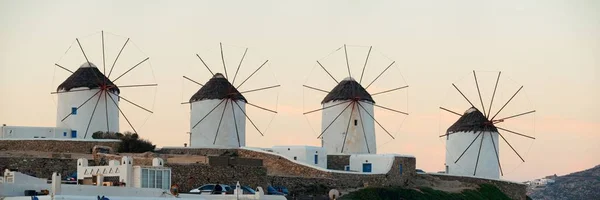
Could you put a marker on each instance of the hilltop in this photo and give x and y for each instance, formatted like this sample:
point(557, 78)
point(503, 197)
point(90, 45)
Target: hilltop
point(578, 185)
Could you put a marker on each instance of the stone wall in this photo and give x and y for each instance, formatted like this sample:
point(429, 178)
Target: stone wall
point(196, 151)
point(62, 146)
point(40, 167)
point(189, 176)
point(511, 189)
point(144, 160)
point(337, 162)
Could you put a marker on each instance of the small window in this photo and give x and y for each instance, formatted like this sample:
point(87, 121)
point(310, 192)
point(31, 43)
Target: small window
point(288, 149)
point(400, 168)
point(73, 134)
point(355, 122)
point(64, 134)
point(295, 158)
point(347, 168)
point(367, 167)
point(316, 159)
point(74, 111)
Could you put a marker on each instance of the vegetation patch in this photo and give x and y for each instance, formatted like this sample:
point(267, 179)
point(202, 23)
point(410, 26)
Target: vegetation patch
point(484, 192)
point(130, 142)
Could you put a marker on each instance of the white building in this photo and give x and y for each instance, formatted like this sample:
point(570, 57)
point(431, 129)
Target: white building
point(217, 115)
point(472, 126)
point(316, 156)
point(372, 163)
point(88, 87)
point(34, 132)
point(347, 127)
point(155, 176)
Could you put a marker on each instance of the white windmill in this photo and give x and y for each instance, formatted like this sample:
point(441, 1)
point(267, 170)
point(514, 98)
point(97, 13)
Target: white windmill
point(472, 142)
point(218, 109)
point(88, 100)
point(348, 118)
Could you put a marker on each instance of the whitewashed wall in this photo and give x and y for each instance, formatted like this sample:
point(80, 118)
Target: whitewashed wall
point(380, 163)
point(487, 166)
point(304, 154)
point(34, 132)
point(333, 138)
point(79, 122)
point(204, 134)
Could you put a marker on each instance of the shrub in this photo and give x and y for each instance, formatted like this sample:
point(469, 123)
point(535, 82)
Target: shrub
point(130, 142)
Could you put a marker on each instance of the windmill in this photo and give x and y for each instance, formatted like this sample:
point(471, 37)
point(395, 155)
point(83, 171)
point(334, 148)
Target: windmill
point(88, 100)
point(218, 108)
point(473, 141)
point(348, 118)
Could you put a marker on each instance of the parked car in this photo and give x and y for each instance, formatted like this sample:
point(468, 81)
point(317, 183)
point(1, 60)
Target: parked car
point(245, 190)
point(282, 189)
point(72, 177)
point(273, 191)
point(208, 188)
point(419, 171)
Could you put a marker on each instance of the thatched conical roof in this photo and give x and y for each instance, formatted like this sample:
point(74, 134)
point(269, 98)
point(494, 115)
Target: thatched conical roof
point(472, 120)
point(88, 76)
point(348, 89)
point(218, 87)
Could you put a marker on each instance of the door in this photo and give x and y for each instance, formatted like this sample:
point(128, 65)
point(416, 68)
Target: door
point(73, 134)
point(316, 159)
point(367, 167)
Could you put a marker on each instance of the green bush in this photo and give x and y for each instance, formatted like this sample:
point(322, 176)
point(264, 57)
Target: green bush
point(485, 191)
point(130, 142)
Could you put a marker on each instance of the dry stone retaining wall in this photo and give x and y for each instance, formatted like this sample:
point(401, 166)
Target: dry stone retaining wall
point(39, 167)
point(189, 176)
point(337, 162)
point(62, 146)
point(512, 190)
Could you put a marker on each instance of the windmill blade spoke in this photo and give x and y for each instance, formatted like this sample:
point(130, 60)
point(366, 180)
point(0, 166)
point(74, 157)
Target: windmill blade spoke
point(348, 126)
point(185, 102)
point(117, 58)
point(142, 85)
point(465, 151)
point(391, 90)
point(103, 57)
point(248, 118)
point(223, 59)
point(78, 90)
point(91, 117)
point(463, 95)
point(122, 113)
point(447, 134)
point(211, 110)
point(86, 58)
point(325, 107)
point(56, 64)
point(511, 146)
point(386, 108)
point(235, 124)
point(81, 105)
point(376, 120)
point(497, 156)
point(205, 65)
point(447, 110)
point(262, 108)
point(259, 89)
point(193, 81)
point(347, 63)
point(521, 114)
point(220, 120)
point(380, 74)
point(478, 154)
point(493, 95)
point(363, 128)
point(513, 96)
point(515, 133)
point(238, 68)
point(336, 117)
point(479, 92)
point(365, 66)
point(147, 110)
point(327, 72)
point(131, 69)
point(106, 110)
point(252, 74)
point(317, 89)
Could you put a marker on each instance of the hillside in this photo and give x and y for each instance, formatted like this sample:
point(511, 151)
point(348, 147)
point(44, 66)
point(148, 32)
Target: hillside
point(579, 185)
point(485, 191)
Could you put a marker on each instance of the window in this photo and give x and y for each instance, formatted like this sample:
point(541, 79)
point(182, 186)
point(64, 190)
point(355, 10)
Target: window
point(151, 179)
point(355, 122)
point(295, 158)
point(74, 111)
point(400, 168)
point(316, 159)
point(73, 134)
point(65, 134)
point(347, 168)
point(144, 178)
point(367, 167)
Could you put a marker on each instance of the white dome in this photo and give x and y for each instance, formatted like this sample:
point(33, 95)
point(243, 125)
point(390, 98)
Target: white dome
point(87, 64)
point(472, 109)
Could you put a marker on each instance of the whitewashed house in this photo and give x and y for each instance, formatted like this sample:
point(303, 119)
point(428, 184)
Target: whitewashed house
point(123, 171)
point(316, 156)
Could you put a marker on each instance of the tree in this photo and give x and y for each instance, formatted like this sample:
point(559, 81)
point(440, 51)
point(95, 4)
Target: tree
point(130, 142)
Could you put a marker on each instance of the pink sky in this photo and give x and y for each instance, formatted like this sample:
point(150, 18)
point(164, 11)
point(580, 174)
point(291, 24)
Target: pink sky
point(550, 47)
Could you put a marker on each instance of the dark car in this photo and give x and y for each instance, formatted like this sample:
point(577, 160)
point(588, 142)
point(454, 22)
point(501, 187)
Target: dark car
point(72, 177)
point(273, 191)
point(245, 190)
